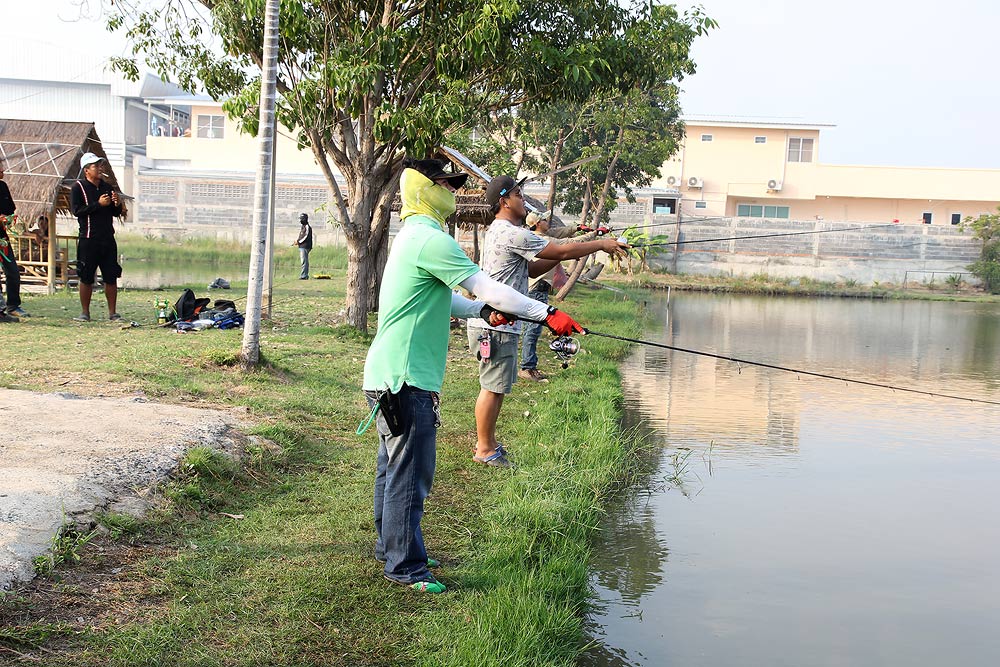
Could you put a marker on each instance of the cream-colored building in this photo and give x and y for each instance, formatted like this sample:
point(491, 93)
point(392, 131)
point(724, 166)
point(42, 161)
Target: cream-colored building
point(194, 134)
point(754, 169)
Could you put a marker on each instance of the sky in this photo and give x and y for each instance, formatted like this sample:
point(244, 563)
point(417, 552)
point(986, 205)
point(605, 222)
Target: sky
point(907, 83)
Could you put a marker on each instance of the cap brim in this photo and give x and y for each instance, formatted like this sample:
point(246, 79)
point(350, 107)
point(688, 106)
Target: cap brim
point(506, 193)
point(455, 180)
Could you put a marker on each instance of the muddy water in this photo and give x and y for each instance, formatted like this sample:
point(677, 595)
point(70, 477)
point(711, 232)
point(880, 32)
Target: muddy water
point(795, 521)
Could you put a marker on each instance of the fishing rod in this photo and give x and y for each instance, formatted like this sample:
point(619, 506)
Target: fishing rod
point(666, 224)
point(763, 236)
point(565, 347)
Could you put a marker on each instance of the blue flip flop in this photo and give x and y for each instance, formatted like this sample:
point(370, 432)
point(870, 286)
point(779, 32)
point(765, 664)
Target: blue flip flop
point(497, 459)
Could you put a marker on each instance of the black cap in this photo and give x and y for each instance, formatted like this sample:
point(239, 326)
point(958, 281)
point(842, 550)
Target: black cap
point(434, 170)
point(303, 218)
point(501, 186)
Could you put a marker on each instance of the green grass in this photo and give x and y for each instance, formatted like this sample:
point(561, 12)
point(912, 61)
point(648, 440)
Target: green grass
point(293, 581)
point(211, 251)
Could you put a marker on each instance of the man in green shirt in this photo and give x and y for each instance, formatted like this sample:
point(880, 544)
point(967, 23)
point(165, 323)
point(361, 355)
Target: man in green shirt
point(405, 366)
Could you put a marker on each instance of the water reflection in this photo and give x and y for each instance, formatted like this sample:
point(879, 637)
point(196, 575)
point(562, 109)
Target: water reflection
point(821, 523)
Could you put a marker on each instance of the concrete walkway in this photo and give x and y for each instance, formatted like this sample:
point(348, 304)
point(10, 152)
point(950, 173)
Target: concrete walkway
point(63, 456)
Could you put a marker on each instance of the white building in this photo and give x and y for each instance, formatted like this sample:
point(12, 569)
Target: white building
point(42, 82)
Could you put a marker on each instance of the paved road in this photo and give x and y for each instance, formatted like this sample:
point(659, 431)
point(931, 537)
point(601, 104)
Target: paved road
point(63, 456)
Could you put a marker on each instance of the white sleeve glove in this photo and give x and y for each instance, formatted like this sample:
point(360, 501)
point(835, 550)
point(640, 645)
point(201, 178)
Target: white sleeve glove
point(465, 308)
point(505, 299)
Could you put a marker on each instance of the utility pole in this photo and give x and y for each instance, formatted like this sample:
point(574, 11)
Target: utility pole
point(250, 353)
point(268, 291)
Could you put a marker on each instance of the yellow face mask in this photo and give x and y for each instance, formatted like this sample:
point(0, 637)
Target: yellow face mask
point(420, 195)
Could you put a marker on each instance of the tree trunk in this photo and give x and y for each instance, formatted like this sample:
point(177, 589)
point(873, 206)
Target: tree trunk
point(250, 353)
point(553, 165)
point(370, 201)
point(598, 215)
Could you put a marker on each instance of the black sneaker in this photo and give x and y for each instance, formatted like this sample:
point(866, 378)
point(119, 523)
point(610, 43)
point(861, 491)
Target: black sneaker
point(4, 317)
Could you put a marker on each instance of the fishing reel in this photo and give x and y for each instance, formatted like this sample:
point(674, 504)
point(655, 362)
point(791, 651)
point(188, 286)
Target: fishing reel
point(564, 347)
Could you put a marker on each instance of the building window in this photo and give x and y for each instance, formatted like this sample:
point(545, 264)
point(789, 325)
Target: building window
point(956, 218)
point(800, 150)
point(211, 127)
point(701, 204)
point(760, 211)
point(706, 137)
point(928, 216)
point(760, 140)
point(664, 205)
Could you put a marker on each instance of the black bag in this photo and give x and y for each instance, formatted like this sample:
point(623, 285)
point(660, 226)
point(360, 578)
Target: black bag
point(222, 304)
point(188, 306)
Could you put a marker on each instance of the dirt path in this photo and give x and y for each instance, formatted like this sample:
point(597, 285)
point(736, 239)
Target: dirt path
point(63, 456)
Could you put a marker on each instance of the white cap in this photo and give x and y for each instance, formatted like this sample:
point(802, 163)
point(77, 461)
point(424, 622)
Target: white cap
point(89, 158)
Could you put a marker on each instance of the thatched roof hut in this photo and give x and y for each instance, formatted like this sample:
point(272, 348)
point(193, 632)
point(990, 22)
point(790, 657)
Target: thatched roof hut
point(472, 208)
point(42, 160)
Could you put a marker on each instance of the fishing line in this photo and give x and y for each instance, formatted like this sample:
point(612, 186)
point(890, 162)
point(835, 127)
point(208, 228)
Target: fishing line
point(765, 236)
point(790, 370)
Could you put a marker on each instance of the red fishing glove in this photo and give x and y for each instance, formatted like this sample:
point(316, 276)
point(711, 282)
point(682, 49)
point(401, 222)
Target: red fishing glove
point(561, 324)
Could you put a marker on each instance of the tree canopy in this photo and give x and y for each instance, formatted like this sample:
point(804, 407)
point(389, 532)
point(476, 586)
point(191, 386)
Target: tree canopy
point(363, 83)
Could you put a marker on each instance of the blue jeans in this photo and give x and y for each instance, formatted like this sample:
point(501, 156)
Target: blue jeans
point(529, 335)
point(13, 276)
point(304, 259)
point(403, 478)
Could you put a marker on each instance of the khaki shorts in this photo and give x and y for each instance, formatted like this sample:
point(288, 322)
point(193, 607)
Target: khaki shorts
point(498, 373)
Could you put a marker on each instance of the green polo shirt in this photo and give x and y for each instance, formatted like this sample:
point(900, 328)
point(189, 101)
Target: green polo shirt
point(411, 345)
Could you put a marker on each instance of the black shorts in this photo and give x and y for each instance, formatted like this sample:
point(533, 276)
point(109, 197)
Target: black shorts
point(92, 254)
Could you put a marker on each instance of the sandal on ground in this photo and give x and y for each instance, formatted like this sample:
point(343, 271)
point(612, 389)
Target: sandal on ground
point(114, 316)
point(497, 459)
point(431, 585)
point(81, 318)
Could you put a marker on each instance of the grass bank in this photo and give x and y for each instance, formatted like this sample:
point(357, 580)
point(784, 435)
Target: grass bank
point(293, 581)
point(210, 252)
point(948, 288)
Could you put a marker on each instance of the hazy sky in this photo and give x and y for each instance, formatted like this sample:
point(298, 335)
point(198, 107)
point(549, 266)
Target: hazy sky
point(913, 83)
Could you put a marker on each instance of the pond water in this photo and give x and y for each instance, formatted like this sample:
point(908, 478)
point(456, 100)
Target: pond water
point(790, 520)
point(140, 274)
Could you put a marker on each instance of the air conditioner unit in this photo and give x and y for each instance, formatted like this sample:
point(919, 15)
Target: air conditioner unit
point(695, 182)
point(673, 181)
point(774, 185)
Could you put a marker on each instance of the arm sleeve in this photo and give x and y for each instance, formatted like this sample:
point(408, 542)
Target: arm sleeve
point(505, 299)
point(7, 205)
point(563, 232)
point(464, 308)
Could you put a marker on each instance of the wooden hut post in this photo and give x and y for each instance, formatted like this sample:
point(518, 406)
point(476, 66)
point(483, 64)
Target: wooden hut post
point(50, 264)
point(475, 243)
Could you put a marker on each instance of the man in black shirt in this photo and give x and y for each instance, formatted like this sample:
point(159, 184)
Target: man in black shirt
point(305, 244)
point(95, 205)
point(12, 308)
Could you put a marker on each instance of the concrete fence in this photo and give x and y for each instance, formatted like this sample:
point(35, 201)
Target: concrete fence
point(176, 205)
point(833, 251)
